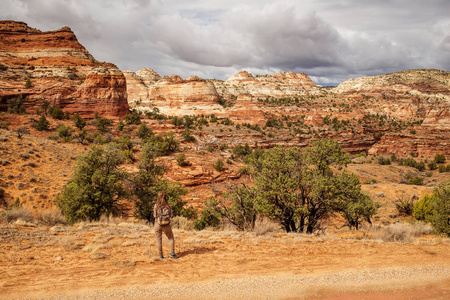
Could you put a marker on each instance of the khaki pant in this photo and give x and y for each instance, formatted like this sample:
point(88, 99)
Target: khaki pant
point(168, 232)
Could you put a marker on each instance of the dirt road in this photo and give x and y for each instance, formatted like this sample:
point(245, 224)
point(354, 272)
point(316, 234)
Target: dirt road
point(119, 261)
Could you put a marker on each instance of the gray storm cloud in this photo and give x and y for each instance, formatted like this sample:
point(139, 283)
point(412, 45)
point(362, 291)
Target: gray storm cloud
point(329, 40)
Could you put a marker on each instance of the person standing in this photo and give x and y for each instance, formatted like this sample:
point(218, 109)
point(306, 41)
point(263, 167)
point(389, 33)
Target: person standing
point(162, 212)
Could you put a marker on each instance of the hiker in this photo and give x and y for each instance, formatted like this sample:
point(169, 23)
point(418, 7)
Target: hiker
point(162, 213)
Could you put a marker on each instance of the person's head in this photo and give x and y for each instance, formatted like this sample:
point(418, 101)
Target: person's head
point(161, 200)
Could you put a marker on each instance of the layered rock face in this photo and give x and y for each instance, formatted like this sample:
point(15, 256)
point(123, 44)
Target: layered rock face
point(416, 93)
point(55, 67)
point(171, 94)
point(278, 85)
point(193, 95)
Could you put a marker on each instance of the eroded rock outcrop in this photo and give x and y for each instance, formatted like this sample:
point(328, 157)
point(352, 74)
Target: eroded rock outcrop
point(55, 67)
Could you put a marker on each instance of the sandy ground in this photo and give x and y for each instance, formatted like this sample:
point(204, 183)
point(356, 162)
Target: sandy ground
point(109, 261)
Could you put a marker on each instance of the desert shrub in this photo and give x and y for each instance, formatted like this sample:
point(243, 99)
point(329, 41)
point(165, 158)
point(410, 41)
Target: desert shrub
point(411, 162)
point(182, 223)
point(15, 106)
point(56, 112)
point(129, 155)
point(42, 124)
point(432, 165)
point(181, 160)
point(423, 209)
point(404, 205)
point(219, 165)
point(103, 125)
point(399, 232)
point(416, 180)
point(120, 125)
point(17, 212)
point(177, 121)
point(28, 84)
point(186, 134)
point(383, 160)
point(133, 118)
point(4, 124)
point(209, 216)
point(242, 211)
point(242, 151)
point(21, 130)
point(79, 122)
point(439, 158)
point(124, 143)
point(440, 219)
point(65, 133)
point(160, 145)
point(444, 168)
point(155, 114)
point(51, 217)
point(144, 132)
point(264, 226)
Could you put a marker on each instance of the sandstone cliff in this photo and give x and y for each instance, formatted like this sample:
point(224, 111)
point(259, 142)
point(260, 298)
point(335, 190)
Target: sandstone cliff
point(54, 66)
point(415, 93)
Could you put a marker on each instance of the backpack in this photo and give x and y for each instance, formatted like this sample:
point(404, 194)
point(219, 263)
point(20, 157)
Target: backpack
point(163, 215)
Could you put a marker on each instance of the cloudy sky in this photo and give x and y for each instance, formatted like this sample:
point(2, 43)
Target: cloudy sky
point(330, 40)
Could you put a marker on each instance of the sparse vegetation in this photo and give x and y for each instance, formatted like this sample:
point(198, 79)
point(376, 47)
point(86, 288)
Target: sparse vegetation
point(42, 124)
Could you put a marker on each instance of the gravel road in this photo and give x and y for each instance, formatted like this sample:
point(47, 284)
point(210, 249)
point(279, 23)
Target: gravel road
point(351, 282)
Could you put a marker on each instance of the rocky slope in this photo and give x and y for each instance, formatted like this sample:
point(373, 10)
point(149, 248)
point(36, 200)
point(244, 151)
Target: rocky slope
point(54, 66)
point(421, 93)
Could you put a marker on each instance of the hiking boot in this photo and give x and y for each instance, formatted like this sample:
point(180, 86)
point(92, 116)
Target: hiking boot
point(161, 257)
point(173, 255)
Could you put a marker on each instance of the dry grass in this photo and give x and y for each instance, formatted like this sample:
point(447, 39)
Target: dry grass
point(51, 217)
point(182, 223)
point(403, 232)
point(265, 226)
point(16, 213)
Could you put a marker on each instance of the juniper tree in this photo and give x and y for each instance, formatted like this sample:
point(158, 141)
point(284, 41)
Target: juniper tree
point(96, 188)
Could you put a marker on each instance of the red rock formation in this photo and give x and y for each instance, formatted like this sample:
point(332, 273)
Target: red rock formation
point(54, 66)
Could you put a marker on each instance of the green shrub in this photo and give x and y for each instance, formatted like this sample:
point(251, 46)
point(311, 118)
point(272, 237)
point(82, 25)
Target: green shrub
point(15, 106)
point(439, 158)
point(120, 125)
point(432, 165)
point(65, 133)
point(242, 151)
point(219, 165)
point(79, 122)
point(384, 161)
point(133, 118)
point(181, 160)
point(96, 187)
point(209, 216)
point(28, 84)
point(417, 180)
point(423, 209)
point(160, 145)
point(103, 125)
point(42, 124)
point(56, 112)
point(186, 134)
point(441, 216)
point(444, 168)
point(144, 132)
